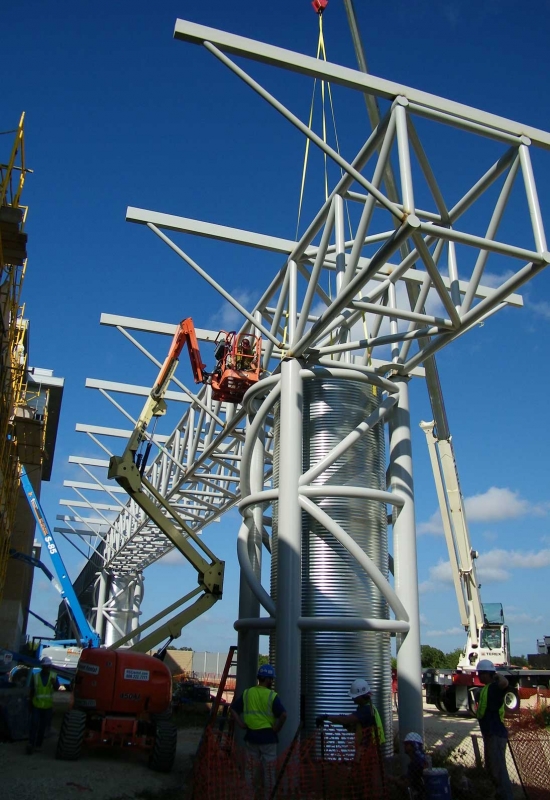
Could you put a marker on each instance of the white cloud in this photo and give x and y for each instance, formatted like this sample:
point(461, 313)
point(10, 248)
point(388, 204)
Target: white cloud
point(441, 573)
point(434, 525)
point(227, 317)
point(523, 619)
point(494, 505)
point(542, 308)
point(448, 632)
point(491, 567)
point(509, 559)
point(493, 280)
point(497, 504)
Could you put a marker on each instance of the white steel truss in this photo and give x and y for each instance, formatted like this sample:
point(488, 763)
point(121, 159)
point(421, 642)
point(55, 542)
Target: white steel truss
point(380, 300)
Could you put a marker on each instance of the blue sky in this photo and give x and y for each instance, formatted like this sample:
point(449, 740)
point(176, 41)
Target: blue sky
point(118, 114)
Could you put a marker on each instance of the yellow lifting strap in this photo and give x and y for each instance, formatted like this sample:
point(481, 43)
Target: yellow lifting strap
point(321, 53)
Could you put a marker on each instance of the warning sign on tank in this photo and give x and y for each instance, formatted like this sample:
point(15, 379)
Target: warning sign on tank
point(136, 674)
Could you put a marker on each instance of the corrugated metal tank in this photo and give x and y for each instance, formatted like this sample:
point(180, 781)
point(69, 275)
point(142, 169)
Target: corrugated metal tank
point(333, 584)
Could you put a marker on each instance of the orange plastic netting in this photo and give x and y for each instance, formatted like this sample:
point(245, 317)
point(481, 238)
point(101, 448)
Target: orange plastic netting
point(323, 766)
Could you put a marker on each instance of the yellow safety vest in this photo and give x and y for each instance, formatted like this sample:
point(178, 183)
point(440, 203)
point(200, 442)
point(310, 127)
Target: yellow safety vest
point(482, 705)
point(258, 707)
point(377, 734)
point(43, 695)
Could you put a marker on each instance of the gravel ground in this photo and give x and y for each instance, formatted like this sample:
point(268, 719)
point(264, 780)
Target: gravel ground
point(111, 774)
point(101, 774)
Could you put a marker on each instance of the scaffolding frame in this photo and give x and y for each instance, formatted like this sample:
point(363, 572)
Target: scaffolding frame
point(13, 358)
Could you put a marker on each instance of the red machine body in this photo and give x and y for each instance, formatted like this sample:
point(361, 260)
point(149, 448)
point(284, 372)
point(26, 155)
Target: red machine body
point(121, 682)
point(121, 698)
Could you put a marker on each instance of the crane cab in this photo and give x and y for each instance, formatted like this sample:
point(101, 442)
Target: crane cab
point(238, 365)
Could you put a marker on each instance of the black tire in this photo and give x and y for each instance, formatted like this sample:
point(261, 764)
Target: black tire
point(164, 748)
point(448, 702)
point(511, 700)
point(71, 736)
point(163, 716)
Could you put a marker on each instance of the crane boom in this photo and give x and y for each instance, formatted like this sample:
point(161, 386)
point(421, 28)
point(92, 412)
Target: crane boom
point(126, 471)
point(86, 634)
point(487, 634)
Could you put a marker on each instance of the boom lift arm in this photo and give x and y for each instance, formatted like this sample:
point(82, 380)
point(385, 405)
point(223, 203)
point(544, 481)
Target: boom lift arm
point(126, 471)
point(487, 636)
point(85, 633)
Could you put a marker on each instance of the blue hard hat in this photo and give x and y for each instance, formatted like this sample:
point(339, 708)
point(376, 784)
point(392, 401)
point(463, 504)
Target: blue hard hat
point(266, 671)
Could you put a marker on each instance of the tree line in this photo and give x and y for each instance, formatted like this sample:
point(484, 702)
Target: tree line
point(433, 657)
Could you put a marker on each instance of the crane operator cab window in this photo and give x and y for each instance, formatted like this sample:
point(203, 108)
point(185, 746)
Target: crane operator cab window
point(491, 638)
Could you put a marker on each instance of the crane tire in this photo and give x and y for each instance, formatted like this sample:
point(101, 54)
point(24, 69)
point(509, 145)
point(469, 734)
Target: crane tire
point(511, 700)
point(71, 736)
point(164, 748)
point(163, 716)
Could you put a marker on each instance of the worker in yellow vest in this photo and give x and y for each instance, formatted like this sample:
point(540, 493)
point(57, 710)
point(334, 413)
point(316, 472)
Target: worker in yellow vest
point(365, 720)
point(43, 684)
point(490, 713)
point(260, 712)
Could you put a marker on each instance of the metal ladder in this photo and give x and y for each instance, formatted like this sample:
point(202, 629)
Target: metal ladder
point(230, 662)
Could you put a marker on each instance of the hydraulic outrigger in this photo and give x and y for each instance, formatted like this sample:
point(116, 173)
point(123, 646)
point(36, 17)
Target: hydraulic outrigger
point(237, 368)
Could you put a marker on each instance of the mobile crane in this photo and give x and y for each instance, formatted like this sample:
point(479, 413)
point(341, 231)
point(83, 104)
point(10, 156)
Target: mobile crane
point(487, 634)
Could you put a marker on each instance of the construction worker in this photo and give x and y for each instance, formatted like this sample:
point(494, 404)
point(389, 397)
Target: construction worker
point(43, 684)
point(413, 781)
point(260, 712)
point(365, 720)
point(490, 713)
point(245, 355)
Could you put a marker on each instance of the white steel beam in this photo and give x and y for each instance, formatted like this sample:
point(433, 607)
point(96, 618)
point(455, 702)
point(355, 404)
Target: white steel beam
point(353, 79)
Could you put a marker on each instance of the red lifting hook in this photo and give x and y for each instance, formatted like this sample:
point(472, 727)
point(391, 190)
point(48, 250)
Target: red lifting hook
point(319, 6)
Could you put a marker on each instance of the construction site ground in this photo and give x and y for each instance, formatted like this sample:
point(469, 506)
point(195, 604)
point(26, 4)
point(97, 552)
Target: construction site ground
point(110, 774)
point(100, 774)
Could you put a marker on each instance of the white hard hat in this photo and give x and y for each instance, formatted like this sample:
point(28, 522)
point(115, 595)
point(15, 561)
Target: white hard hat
point(485, 666)
point(358, 688)
point(46, 661)
point(413, 737)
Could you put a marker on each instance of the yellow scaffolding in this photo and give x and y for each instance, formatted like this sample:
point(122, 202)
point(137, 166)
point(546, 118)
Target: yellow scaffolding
point(13, 357)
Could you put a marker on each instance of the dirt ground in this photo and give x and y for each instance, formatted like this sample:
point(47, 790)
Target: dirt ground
point(111, 774)
point(106, 774)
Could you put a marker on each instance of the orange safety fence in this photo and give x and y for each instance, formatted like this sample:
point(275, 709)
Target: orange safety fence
point(322, 766)
point(529, 738)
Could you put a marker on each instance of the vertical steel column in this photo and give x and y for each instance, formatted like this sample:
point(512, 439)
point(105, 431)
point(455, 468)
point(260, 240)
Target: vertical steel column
point(289, 535)
point(249, 605)
point(409, 671)
point(340, 235)
point(136, 602)
point(101, 598)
